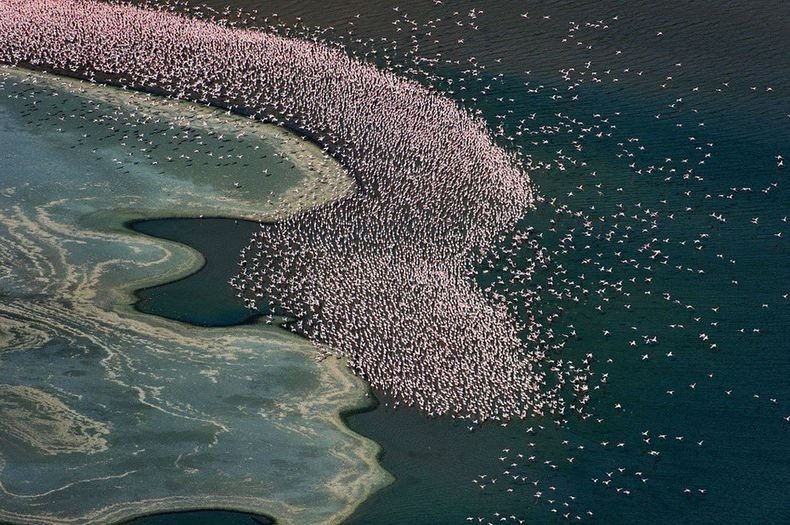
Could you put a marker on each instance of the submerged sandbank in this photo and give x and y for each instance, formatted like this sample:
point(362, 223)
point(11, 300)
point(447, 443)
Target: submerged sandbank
point(182, 417)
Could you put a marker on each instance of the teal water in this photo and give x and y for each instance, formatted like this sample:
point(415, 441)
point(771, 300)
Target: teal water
point(435, 460)
point(738, 404)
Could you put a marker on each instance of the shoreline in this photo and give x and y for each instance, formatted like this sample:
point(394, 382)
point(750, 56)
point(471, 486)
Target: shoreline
point(337, 366)
point(216, 107)
point(258, 518)
point(124, 224)
point(103, 79)
point(116, 304)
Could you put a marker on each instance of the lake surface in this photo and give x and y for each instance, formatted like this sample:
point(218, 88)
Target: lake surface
point(723, 51)
point(691, 122)
point(186, 300)
point(108, 413)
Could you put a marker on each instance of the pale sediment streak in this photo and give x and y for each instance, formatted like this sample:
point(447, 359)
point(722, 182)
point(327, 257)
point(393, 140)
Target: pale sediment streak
point(108, 413)
point(66, 486)
point(44, 422)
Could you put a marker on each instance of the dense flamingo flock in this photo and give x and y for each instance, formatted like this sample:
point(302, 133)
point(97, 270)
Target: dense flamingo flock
point(385, 277)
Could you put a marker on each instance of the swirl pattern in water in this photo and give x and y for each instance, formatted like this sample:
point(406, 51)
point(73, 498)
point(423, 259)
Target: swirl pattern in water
point(107, 413)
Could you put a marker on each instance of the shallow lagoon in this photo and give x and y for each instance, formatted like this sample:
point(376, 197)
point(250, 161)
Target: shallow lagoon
point(148, 414)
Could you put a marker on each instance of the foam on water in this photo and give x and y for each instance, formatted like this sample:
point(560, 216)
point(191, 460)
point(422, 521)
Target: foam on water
point(44, 422)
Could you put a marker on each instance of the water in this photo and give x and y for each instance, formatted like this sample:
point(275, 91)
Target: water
point(206, 517)
point(724, 49)
point(436, 461)
point(108, 413)
point(743, 435)
point(186, 299)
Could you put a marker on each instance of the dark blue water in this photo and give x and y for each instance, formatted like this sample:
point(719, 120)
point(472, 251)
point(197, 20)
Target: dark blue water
point(203, 298)
point(665, 221)
point(206, 517)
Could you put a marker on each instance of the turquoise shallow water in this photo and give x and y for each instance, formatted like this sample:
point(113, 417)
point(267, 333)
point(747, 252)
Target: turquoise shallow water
point(107, 413)
point(737, 406)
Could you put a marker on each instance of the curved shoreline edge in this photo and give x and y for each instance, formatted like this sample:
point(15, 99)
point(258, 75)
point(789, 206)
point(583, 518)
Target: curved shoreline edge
point(337, 366)
point(349, 397)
